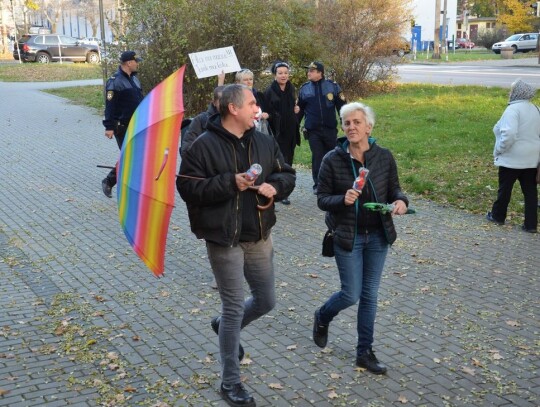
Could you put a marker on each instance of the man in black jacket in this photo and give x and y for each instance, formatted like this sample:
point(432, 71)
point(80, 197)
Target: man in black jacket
point(223, 210)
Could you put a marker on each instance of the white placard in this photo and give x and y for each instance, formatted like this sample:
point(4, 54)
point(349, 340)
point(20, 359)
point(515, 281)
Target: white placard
point(214, 61)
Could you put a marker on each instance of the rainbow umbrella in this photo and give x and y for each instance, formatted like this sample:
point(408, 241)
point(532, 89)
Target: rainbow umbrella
point(147, 170)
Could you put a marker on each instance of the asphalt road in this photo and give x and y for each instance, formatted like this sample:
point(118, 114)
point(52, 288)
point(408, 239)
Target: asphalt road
point(499, 73)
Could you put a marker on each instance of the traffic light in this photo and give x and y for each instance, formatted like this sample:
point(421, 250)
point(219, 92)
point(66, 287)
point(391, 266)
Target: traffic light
point(536, 7)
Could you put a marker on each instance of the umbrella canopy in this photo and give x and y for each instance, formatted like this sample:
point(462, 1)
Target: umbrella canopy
point(147, 170)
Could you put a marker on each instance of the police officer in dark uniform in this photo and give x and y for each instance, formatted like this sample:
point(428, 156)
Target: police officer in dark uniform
point(124, 93)
point(318, 101)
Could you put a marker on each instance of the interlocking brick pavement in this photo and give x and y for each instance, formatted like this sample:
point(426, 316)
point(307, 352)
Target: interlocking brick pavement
point(84, 323)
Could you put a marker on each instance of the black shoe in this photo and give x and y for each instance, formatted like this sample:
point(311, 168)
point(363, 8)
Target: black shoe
point(237, 395)
point(492, 219)
point(320, 332)
point(368, 361)
point(315, 190)
point(107, 189)
point(528, 230)
point(215, 328)
point(285, 201)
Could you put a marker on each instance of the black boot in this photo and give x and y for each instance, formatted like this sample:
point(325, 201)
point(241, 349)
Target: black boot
point(320, 331)
point(237, 395)
point(369, 361)
point(215, 328)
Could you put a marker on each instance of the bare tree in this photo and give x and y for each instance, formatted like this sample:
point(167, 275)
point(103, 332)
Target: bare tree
point(360, 37)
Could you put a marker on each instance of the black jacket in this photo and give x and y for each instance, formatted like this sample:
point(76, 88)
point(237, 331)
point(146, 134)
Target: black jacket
point(336, 176)
point(213, 201)
point(319, 101)
point(124, 93)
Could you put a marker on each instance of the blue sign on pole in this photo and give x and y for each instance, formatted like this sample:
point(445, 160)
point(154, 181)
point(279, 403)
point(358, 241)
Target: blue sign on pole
point(416, 32)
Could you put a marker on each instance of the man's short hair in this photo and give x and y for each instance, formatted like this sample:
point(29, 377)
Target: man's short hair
point(231, 94)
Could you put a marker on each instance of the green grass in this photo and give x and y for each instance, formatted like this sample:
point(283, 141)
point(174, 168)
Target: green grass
point(91, 96)
point(33, 72)
point(442, 139)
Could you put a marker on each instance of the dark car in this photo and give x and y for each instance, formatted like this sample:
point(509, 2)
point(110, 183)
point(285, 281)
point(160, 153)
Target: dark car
point(53, 47)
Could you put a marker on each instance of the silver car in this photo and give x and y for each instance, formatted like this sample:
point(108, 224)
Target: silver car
point(520, 42)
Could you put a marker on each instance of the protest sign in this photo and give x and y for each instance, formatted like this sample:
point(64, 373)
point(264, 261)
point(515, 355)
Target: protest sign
point(214, 61)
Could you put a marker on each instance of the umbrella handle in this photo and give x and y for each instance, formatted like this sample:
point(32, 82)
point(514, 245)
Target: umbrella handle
point(165, 158)
point(270, 200)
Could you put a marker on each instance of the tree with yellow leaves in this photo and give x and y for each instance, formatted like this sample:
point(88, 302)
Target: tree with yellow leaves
point(517, 16)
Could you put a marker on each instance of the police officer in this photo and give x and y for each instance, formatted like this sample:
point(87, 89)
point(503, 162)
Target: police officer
point(318, 101)
point(124, 93)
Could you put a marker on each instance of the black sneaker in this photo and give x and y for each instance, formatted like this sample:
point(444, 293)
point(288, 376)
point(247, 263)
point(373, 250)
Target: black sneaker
point(107, 189)
point(237, 395)
point(369, 361)
point(285, 201)
point(215, 328)
point(320, 331)
point(492, 219)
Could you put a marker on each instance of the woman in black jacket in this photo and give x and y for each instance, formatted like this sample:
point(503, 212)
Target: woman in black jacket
point(361, 237)
point(280, 99)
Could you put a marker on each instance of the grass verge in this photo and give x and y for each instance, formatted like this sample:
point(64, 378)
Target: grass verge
point(464, 55)
point(33, 72)
point(91, 96)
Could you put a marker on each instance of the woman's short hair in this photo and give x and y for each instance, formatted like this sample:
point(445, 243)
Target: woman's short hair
point(242, 74)
point(231, 94)
point(358, 107)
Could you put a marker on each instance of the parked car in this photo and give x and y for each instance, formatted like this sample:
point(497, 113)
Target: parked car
point(52, 48)
point(520, 42)
point(464, 43)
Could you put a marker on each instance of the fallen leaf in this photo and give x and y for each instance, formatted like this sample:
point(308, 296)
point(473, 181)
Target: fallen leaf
point(136, 338)
point(335, 375)
point(437, 360)
point(468, 370)
point(425, 289)
point(99, 298)
point(3, 392)
point(313, 275)
point(512, 323)
point(276, 386)
point(130, 389)
point(332, 395)
point(246, 361)
point(476, 362)
point(403, 399)
point(291, 347)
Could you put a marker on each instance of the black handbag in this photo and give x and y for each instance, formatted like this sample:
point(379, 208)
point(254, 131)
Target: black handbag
point(328, 244)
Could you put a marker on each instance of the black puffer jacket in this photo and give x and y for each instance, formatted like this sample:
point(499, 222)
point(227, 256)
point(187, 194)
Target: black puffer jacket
point(336, 176)
point(213, 201)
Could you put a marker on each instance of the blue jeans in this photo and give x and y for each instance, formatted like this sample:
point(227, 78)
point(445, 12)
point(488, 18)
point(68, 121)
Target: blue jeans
point(254, 262)
point(360, 273)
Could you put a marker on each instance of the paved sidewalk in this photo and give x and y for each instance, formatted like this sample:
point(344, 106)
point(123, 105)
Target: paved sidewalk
point(84, 323)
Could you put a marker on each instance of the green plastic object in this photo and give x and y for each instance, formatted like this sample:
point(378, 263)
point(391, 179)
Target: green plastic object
point(384, 208)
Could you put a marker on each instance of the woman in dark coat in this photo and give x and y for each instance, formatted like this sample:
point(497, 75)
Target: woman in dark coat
point(280, 103)
point(361, 237)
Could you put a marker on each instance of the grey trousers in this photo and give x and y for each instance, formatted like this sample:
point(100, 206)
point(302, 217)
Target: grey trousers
point(230, 265)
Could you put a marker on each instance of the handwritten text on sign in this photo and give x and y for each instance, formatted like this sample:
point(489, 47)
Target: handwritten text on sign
point(214, 61)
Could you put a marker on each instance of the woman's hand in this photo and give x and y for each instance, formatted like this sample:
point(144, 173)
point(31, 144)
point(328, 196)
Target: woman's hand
point(265, 116)
point(400, 208)
point(351, 196)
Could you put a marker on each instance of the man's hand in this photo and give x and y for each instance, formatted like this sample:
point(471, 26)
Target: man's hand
point(109, 134)
point(242, 181)
point(267, 190)
point(351, 196)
